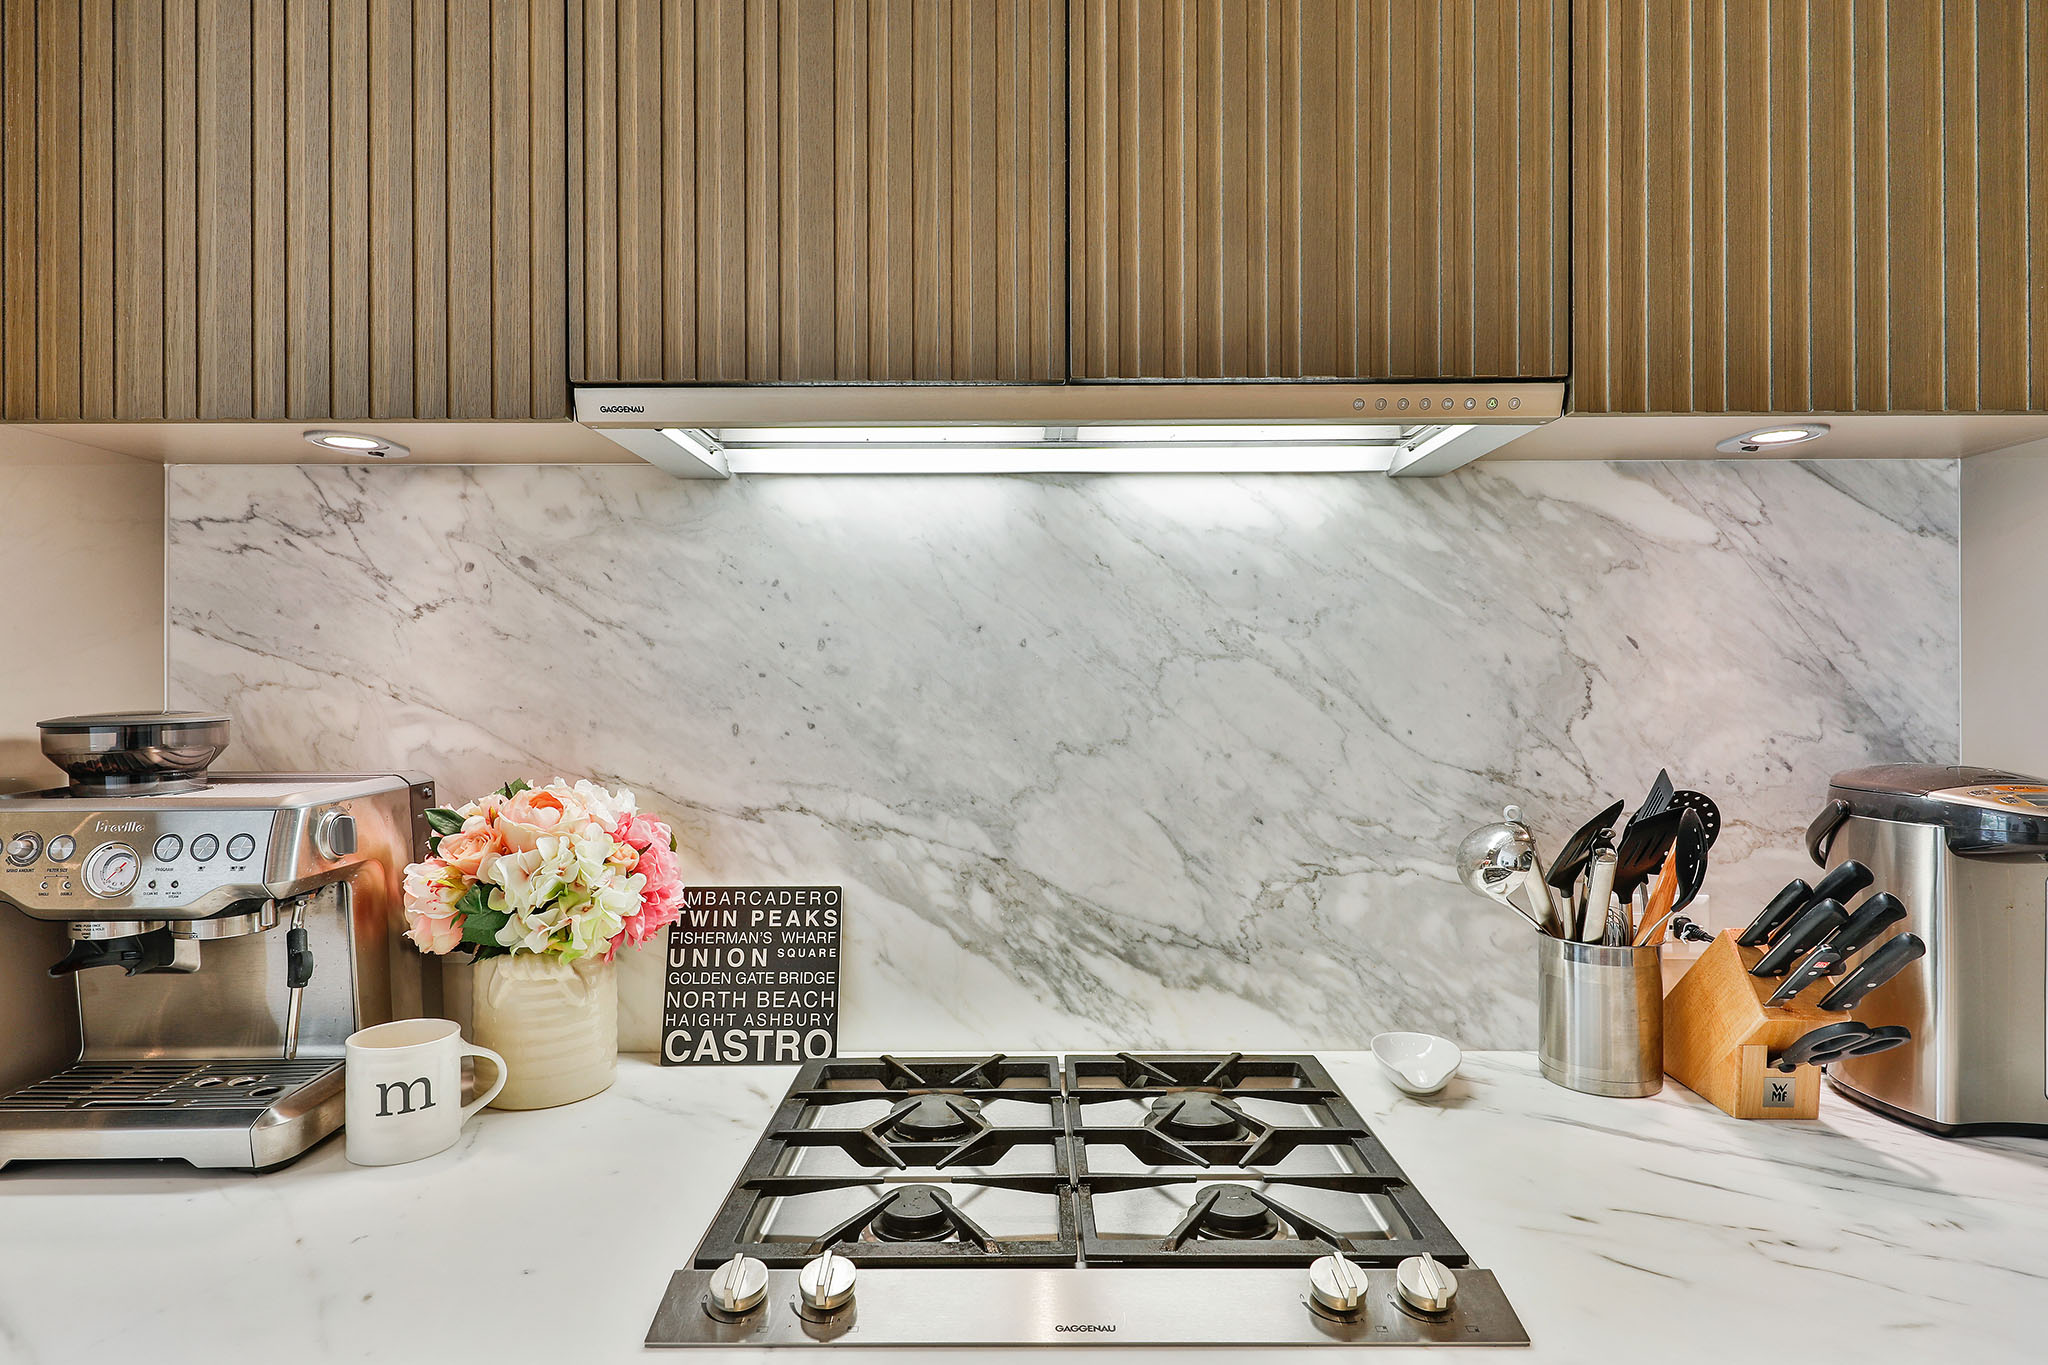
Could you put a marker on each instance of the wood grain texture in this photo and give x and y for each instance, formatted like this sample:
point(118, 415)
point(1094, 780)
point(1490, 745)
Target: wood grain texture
point(1809, 205)
point(232, 209)
point(778, 190)
point(1320, 188)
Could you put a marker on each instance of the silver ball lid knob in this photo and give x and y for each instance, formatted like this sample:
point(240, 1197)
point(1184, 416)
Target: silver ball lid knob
point(739, 1285)
point(826, 1282)
point(1426, 1284)
point(1337, 1284)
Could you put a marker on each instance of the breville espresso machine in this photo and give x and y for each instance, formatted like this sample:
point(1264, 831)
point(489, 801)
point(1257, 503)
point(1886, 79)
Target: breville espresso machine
point(227, 933)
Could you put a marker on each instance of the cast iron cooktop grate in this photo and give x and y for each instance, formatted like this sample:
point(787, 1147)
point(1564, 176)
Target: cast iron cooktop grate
point(1103, 1159)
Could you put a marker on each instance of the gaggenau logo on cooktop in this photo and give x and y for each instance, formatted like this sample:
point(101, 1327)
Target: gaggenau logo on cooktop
point(1084, 1327)
point(621, 407)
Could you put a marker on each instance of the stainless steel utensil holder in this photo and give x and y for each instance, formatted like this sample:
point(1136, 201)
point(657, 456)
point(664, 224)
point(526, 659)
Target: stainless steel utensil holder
point(1600, 1017)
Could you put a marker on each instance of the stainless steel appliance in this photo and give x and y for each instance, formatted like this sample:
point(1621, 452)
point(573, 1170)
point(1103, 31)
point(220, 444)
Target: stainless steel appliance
point(227, 933)
point(1966, 851)
point(1158, 1200)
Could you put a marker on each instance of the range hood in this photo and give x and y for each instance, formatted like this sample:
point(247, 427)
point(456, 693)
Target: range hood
point(717, 432)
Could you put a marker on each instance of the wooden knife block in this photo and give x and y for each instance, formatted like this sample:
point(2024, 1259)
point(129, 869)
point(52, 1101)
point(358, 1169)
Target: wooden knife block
point(1719, 1036)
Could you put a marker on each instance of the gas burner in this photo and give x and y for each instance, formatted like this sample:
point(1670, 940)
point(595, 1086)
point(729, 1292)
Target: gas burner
point(1235, 1213)
point(904, 1133)
point(1239, 1213)
point(909, 1213)
point(1197, 1117)
point(937, 1118)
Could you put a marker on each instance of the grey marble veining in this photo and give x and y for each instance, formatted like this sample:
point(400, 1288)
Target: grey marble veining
point(1165, 761)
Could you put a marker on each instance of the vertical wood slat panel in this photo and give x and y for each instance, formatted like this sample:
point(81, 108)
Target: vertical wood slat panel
point(181, 211)
point(57, 208)
point(430, 227)
point(267, 174)
point(1860, 233)
point(1356, 188)
point(349, 244)
point(390, 207)
point(226, 211)
point(308, 393)
point(138, 98)
point(511, 289)
point(471, 372)
point(779, 190)
point(96, 60)
point(547, 339)
point(18, 227)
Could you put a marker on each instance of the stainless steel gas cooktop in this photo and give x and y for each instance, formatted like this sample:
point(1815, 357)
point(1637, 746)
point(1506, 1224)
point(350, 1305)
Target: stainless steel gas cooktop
point(1104, 1200)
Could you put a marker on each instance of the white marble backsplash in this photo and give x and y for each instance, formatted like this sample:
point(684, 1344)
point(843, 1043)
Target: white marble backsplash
point(1117, 761)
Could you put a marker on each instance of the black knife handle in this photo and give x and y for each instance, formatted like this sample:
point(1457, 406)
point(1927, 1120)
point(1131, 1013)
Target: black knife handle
point(1825, 960)
point(1783, 906)
point(1881, 966)
point(1871, 919)
point(1843, 883)
point(1815, 923)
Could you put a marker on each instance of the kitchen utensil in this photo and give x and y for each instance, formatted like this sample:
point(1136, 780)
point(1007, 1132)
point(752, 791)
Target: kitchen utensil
point(1826, 960)
point(1490, 862)
point(1886, 962)
point(1641, 852)
point(1600, 1017)
point(1535, 881)
point(1838, 1042)
point(1658, 907)
point(1578, 850)
point(1591, 924)
point(1702, 805)
point(1691, 848)
point(1871, 919)
point(1796, 896)
point(1657, 802)
point(1418, 1063)
point(1815, 923)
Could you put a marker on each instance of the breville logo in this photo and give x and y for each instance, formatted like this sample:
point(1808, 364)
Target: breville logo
point(621, 407)
point(117, 826)
point(1084, 1327)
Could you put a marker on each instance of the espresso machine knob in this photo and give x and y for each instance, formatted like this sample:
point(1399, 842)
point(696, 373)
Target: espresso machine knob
point(23, 848)
point(335, 835)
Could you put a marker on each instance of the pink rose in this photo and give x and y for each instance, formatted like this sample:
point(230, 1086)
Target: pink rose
point(466, 850)
point(529, 815)
point(433, 889)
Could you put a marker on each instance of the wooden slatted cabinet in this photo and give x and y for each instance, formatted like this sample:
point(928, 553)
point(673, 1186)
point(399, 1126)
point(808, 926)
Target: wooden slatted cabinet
point(780, 190)
point(1323, 188)
point(1810, 208)
point(286, 209)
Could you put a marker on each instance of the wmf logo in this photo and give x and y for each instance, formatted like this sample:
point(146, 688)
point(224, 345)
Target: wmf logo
point(1777, 1093)
point(404, 1089)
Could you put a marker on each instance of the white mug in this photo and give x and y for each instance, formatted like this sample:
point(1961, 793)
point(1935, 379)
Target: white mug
point(404, 1090)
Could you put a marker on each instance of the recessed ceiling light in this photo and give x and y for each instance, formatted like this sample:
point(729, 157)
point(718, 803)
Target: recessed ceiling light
point(354, 443)
point(1769, 438)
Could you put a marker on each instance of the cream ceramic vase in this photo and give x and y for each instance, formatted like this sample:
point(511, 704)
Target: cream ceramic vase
point(555, 1023)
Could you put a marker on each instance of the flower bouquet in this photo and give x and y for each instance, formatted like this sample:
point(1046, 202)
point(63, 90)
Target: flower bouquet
point(543, 885)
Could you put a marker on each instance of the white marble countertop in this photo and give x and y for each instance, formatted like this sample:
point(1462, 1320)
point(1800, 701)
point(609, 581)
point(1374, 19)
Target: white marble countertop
point(1621, 1229)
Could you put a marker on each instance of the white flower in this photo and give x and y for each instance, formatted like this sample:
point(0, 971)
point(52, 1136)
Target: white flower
point(608, 806)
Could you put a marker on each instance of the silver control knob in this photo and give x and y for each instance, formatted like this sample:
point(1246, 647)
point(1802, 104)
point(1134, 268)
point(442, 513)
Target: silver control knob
point(1337, 1284)
point(1426, 1285)
point(739, 1285)
point(23, 848)
point(335, 835)
point(827, 1282)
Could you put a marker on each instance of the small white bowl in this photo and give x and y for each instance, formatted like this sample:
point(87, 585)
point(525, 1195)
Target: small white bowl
point(1419, 1063)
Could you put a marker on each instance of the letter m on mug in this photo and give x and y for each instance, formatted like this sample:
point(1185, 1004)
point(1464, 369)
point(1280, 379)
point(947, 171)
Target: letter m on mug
point(405, 1092)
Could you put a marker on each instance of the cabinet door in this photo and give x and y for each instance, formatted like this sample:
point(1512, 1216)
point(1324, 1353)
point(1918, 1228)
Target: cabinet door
point(1319, 188)
point(286, 209)
point(1810, 208)
point(819, 190)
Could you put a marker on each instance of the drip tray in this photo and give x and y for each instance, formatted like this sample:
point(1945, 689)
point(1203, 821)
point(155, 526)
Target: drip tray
point(249, 1083)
